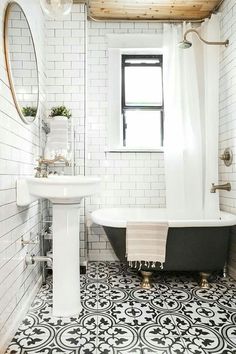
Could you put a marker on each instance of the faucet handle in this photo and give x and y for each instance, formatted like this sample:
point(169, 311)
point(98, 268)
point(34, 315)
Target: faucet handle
point(227, 157)
point(44, 173)
point(38, 172)
point(39, 160)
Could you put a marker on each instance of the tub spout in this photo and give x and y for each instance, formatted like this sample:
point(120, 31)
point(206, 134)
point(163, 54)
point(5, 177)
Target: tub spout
point(32, 259)
point(225, 187)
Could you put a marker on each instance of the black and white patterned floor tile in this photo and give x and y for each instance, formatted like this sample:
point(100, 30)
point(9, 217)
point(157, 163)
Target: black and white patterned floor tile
point(118, 317)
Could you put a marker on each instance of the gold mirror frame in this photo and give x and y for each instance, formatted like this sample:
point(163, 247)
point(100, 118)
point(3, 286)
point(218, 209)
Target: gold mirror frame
point(8, 61)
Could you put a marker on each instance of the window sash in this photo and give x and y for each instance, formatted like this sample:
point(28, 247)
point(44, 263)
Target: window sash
point(141, 107)
point(125, 64)
point(126, 57)
point(125, 124)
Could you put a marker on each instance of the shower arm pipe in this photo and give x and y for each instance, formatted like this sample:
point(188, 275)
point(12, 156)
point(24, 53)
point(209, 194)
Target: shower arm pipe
point(225, 43)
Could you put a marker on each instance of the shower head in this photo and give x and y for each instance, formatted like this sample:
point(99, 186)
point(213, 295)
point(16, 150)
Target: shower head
point(185, 44)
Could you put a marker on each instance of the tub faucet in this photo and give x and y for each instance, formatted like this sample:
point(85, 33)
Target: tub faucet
point(225, 187)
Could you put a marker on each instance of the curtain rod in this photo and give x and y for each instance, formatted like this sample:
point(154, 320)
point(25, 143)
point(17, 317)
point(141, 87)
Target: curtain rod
point(217, 8)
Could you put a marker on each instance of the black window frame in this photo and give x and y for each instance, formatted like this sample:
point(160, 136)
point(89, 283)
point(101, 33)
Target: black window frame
point(124, 107)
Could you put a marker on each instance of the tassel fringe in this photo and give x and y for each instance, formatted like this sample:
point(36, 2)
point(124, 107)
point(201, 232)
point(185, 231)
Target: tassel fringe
point(148, 264)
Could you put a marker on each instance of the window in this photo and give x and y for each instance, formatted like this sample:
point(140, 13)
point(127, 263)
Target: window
point(142, 101)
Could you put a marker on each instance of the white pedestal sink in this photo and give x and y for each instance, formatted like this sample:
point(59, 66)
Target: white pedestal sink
point(66, 193)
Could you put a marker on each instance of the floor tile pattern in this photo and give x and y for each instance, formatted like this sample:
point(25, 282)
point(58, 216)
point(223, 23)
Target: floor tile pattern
point(118, 317)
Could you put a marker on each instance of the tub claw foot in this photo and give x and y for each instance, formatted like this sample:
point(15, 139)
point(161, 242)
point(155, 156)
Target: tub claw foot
point(145, 284)
point(204, 284)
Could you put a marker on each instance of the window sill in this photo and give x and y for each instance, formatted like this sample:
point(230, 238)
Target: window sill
point(123, 149)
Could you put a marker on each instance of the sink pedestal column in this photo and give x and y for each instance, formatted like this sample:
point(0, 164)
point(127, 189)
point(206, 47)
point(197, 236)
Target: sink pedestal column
point(66, 265)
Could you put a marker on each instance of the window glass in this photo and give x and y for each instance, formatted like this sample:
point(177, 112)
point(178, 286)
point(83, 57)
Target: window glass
point(143, 129)
point(143, 85)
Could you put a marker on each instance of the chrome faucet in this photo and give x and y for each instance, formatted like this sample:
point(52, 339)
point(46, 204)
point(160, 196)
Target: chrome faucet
point(42, 168)
point(225, 187)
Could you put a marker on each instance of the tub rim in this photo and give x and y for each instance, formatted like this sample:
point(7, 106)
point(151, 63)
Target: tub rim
point(114, 217)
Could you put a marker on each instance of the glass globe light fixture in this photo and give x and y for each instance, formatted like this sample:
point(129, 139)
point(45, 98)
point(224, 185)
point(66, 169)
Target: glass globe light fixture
point(56, 8)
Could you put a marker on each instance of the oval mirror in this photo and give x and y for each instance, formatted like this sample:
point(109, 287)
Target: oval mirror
point(21, 62)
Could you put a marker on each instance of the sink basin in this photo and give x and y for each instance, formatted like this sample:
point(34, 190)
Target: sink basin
point(65, 193)
point(58, 189)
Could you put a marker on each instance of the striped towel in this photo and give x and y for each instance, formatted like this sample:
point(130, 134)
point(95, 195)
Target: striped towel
point(146, 242)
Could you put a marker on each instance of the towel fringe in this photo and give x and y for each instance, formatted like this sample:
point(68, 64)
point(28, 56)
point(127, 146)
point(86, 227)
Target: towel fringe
point(148, 264)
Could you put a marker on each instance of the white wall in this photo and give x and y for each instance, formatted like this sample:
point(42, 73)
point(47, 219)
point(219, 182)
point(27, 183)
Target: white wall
point(228, 116)
point(129, 179)
point(19, 145)
point(65, 53)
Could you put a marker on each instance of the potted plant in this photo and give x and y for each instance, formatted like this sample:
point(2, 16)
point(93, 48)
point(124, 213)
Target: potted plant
point(60, 113)
point(29, 112)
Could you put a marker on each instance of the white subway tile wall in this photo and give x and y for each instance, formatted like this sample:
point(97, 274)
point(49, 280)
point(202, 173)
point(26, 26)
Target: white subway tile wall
point(129, 179)
point(65, 52)
point(227, 128)
point(19, 146)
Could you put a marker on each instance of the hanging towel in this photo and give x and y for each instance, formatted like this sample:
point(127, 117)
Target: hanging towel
point(56, 124)
point(146, 242)
point(55, 142)
point(59, 132)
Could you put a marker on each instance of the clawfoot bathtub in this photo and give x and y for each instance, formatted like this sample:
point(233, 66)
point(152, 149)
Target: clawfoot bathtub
point(192, 245)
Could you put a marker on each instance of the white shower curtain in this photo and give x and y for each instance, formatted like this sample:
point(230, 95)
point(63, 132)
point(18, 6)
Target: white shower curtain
point(191, 80)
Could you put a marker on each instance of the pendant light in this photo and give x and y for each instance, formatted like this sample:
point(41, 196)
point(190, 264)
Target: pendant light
point(56, 8)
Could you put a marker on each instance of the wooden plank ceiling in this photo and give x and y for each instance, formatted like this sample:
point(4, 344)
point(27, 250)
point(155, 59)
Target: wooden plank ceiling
point(151, 9)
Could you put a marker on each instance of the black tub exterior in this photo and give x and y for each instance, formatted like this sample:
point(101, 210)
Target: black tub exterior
point(188, 248)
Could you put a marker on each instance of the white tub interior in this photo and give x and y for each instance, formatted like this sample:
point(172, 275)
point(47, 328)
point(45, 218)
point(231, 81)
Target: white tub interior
point(118, 217)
